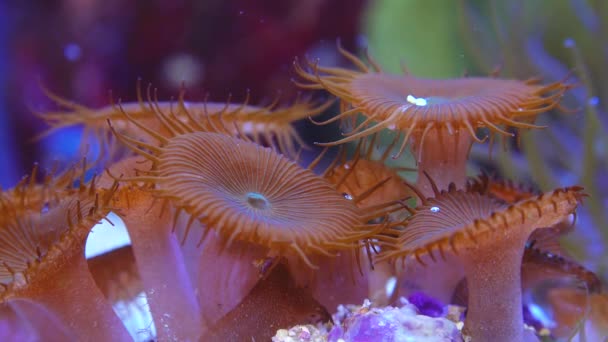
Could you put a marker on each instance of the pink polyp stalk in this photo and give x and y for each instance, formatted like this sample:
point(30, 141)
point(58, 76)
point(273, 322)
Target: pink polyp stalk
point(443, 156)
point(15, 326)
point(168, 288)
point(338, 279)
point(31, 321)
point(493, 272)
point(71, 295)
point(225, 275)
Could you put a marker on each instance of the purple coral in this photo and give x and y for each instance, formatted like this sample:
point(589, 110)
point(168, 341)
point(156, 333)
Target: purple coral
point(391, 324)
point(426, 304)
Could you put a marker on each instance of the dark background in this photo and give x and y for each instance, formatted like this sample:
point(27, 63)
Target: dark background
point(81, 49)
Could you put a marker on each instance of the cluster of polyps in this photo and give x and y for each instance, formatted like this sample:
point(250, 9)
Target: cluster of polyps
point(486, 233)
point(232, 239)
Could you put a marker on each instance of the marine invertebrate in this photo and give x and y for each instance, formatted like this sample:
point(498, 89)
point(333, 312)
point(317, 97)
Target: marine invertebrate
point(32, 195)
point(205, 176)
point(157, 253)
point(271, 124)
point(533, 44)
point(30, 322)
point(540, 264)
point(504, 190)
point(542, 269)
point(45, 245)
point(251, 198)
point(544, 257)
point(574, 310)
point(488, 237)
point(365, 179)
point(29, 198)
point(251, 193)
point(446, 112)
point(256, 319)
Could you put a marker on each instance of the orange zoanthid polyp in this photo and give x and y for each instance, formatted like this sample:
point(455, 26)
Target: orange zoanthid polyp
point(489, 238)
point(44, 270)
point(271, 124)
point(160, 264)
point(241, 194)
point(244, 191)
point(365, 178)
point(439, 116)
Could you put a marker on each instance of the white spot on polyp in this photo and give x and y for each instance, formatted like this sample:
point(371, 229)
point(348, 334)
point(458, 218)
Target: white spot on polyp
point(435, 209)
point(416, 101)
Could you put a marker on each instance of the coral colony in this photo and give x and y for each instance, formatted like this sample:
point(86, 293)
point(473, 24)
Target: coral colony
point(234, 239)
